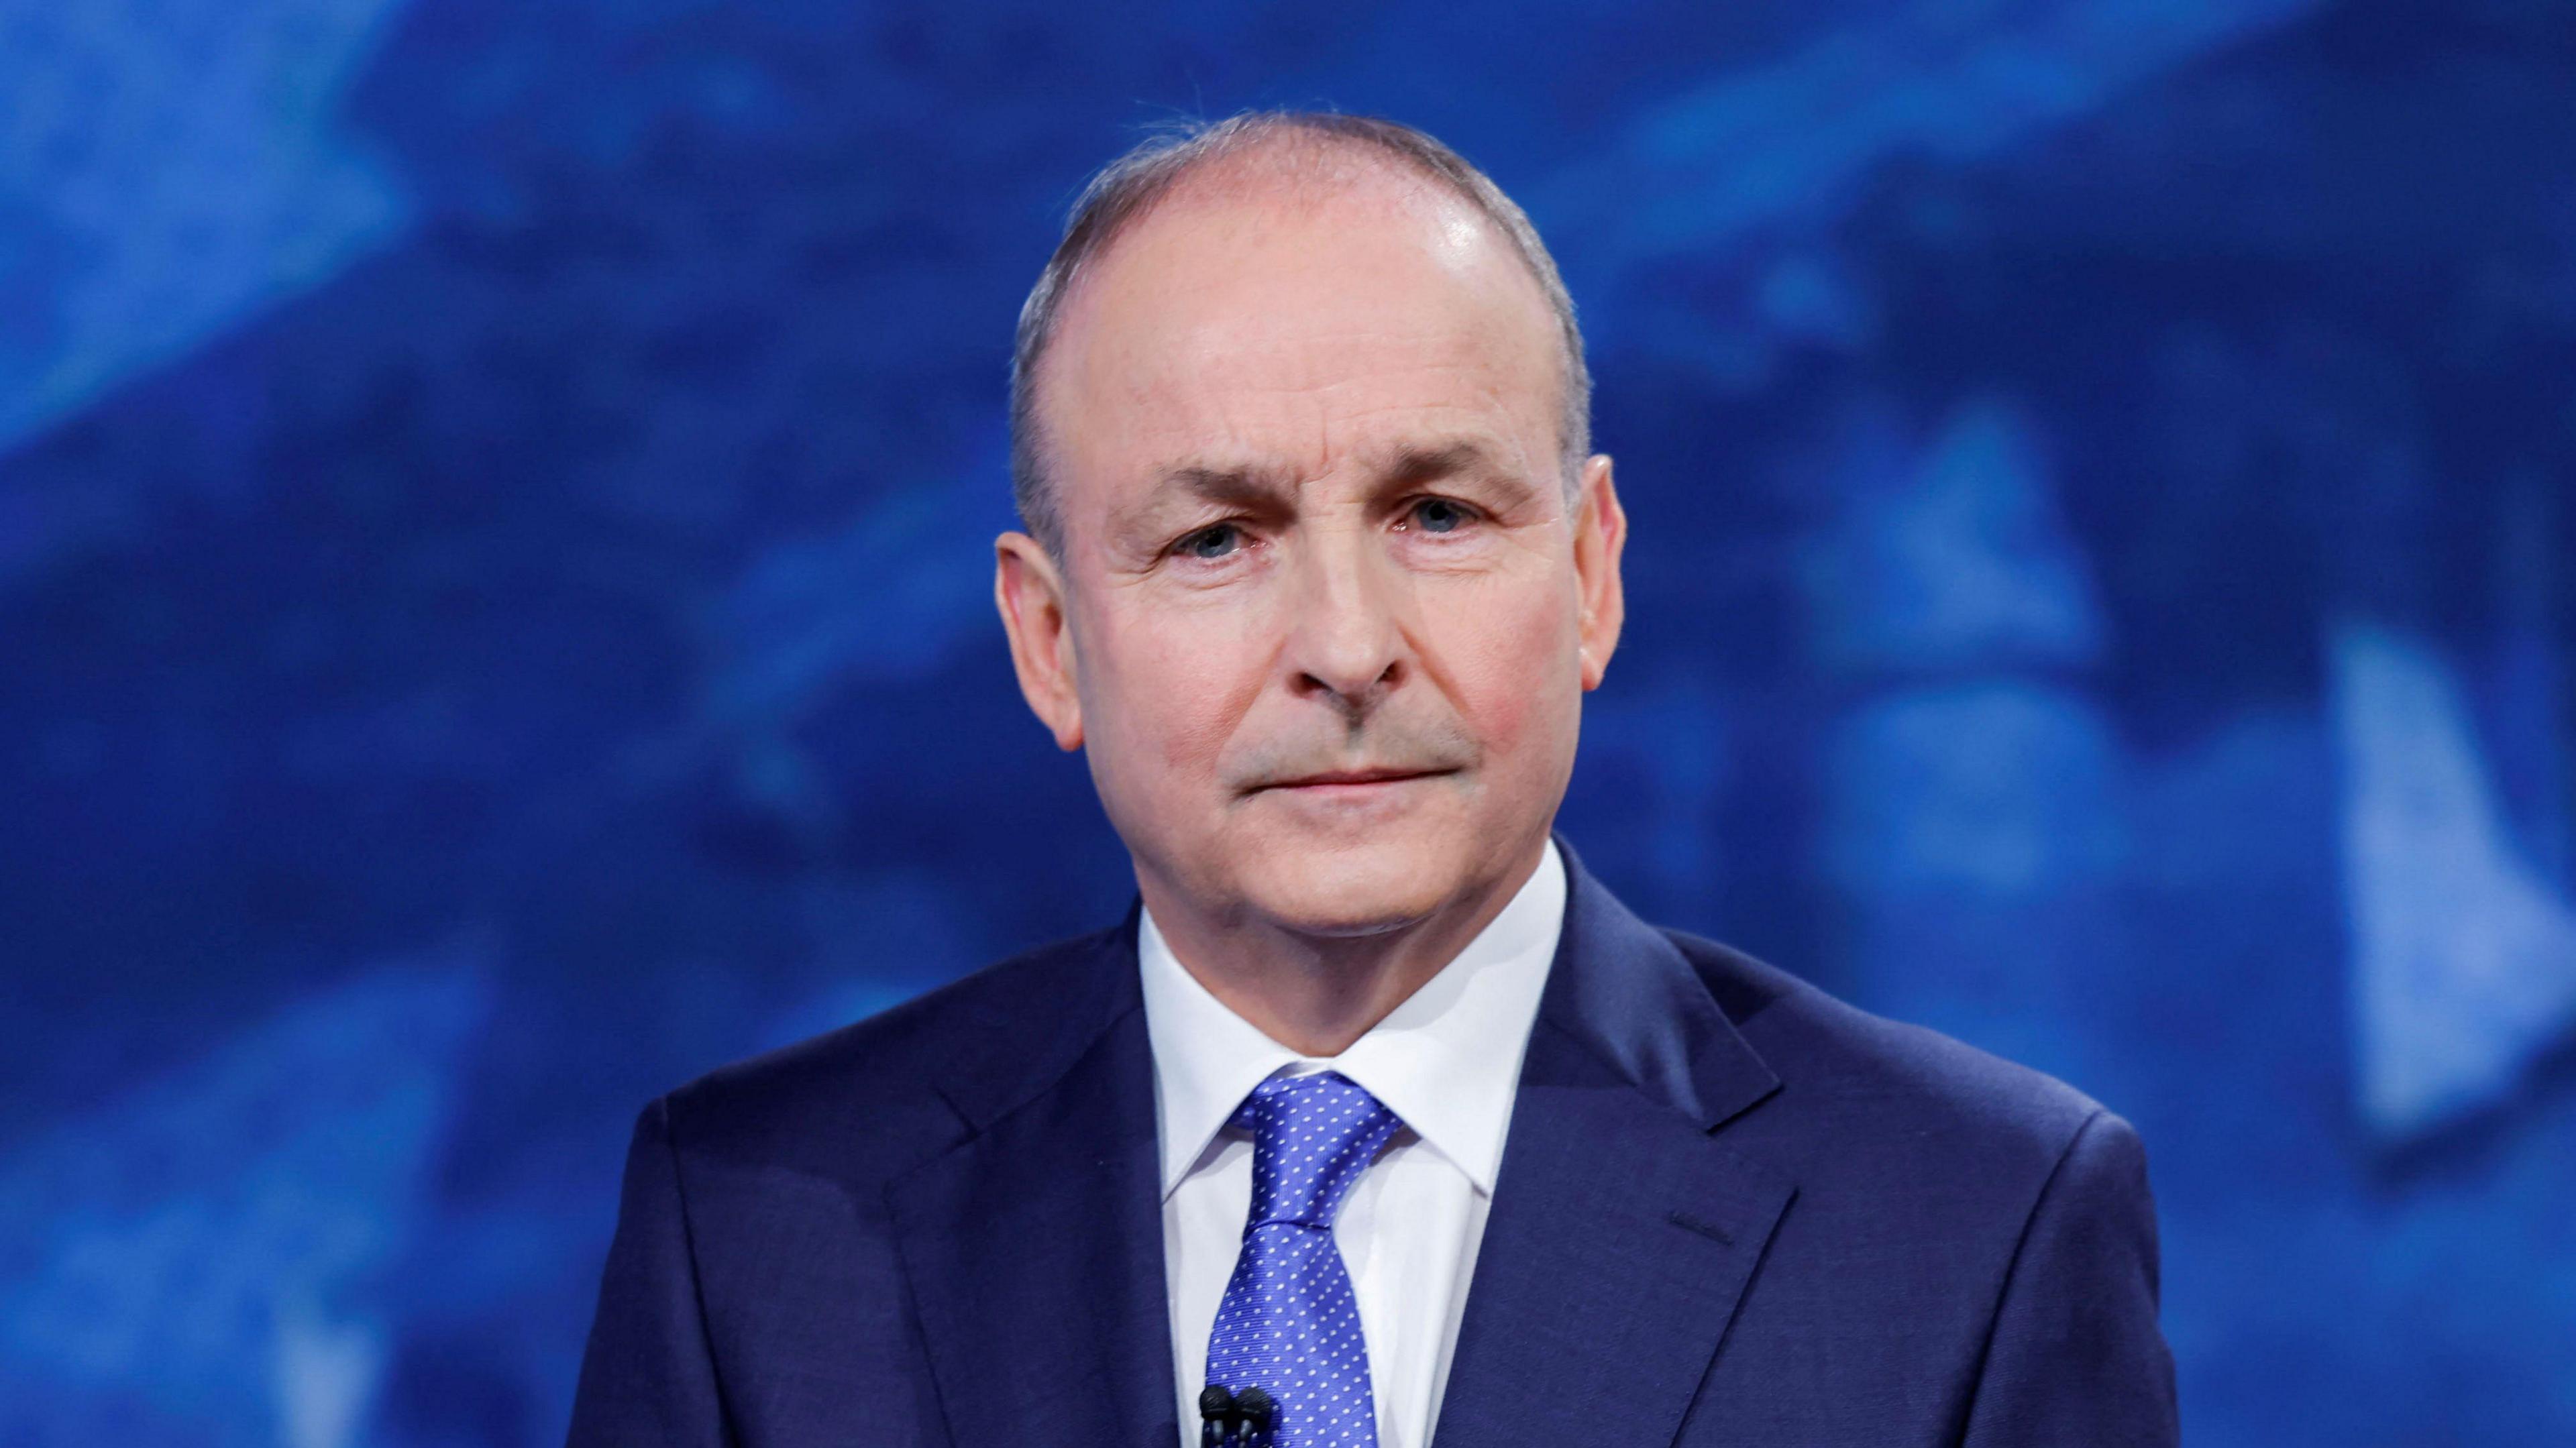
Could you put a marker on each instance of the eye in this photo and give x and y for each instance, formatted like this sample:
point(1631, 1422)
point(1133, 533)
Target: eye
point(1440, 515)
point(1214, 541)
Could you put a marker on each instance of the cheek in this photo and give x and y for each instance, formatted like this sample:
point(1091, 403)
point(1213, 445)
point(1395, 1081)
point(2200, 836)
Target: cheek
point(1174, 684)
point(1512, 659)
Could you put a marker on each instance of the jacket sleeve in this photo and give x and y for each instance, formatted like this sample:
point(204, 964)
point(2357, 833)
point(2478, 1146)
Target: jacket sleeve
point(647, 1379)
point(2075, 1356)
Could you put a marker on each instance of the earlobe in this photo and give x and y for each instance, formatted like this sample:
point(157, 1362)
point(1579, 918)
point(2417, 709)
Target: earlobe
point(1067, 723)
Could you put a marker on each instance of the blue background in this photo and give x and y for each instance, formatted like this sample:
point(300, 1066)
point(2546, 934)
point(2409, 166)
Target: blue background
point(495, 508)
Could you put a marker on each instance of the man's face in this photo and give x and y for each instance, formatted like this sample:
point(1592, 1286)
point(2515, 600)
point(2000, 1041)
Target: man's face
point(1325, 611)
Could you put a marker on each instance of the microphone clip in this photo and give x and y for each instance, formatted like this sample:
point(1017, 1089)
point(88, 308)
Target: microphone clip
point(1228, 1419)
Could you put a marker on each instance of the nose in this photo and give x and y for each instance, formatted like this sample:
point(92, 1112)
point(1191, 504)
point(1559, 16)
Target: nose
point(1346, 643)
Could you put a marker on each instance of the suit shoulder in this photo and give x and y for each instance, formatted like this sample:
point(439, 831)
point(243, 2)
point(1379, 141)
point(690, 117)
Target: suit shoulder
point(886, 1088)
point(1877, 1079)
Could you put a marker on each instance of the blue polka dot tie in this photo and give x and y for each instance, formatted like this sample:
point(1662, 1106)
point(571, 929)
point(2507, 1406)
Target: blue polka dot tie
point(1289, 1325)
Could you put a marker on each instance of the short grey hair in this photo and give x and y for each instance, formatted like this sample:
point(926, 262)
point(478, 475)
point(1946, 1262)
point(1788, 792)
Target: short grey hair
point(1129, 187)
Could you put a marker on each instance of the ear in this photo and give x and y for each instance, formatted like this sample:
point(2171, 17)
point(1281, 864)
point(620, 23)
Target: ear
point(1030, 593)
point(1600, 533)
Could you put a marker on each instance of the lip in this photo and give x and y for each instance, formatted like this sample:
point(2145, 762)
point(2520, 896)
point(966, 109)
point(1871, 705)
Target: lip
point(1354, 778)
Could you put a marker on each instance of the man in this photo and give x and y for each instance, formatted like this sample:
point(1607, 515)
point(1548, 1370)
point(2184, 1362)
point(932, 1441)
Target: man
point(1377, 1113)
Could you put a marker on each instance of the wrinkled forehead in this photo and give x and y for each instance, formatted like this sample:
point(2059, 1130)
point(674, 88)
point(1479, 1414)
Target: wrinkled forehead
point(1293, 321)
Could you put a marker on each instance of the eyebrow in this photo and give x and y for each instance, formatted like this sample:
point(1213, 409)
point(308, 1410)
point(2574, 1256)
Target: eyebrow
point(1230, 487)
point(1417, 464)
point(1412, 466)
point(1254, 486)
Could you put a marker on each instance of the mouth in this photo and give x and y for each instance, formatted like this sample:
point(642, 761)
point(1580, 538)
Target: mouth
point(1351, 779)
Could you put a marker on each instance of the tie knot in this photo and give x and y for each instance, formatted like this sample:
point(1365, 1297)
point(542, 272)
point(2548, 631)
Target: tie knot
point(1311, 1138)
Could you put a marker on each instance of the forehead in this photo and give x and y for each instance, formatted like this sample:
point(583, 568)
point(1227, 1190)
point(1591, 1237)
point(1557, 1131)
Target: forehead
point(1293, 321)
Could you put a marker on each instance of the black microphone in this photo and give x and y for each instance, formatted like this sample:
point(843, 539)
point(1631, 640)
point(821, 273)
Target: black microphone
point(1257, 1410)
point(1217, 1415)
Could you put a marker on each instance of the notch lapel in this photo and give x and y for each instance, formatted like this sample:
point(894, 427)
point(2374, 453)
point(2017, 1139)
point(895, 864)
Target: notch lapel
point(1622, 1234)
point(1035, 1254)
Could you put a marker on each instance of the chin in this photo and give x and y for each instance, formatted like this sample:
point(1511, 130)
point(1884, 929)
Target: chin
point(1379, 881)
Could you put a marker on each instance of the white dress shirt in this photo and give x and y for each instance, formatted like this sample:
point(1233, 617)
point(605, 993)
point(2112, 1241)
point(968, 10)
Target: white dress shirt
point(1447, 1061)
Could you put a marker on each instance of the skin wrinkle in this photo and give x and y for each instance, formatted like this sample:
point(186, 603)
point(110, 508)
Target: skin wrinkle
point(1326, 358)
point(1188, 500)
point(1142, 516)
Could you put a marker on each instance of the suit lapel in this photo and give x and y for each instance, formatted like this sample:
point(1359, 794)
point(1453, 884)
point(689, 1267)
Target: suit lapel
point(1623, 1233)
point(1035, 1250)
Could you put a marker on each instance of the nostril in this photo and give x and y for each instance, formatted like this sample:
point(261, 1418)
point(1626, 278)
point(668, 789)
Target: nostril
point(1354, 700)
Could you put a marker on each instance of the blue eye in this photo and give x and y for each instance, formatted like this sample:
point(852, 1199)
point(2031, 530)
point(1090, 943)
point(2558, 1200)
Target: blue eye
point(1439, 515)
point(1214, 541)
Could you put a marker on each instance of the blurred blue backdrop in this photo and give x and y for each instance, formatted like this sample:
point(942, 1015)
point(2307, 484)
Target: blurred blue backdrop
point(495, 502)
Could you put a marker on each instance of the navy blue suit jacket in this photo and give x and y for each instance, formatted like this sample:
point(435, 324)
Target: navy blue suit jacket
point(1731, 1210)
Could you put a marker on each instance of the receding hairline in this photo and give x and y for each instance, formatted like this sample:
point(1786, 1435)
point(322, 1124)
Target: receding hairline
point(1240, 157)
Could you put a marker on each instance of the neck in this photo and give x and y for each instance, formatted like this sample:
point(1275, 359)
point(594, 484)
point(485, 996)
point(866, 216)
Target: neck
point(1316, 994)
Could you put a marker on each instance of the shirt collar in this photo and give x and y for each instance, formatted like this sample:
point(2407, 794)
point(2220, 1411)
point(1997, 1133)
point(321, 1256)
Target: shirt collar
point(1447, 1060)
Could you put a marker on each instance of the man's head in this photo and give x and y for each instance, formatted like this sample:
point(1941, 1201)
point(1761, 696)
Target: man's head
point(1321, 569)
